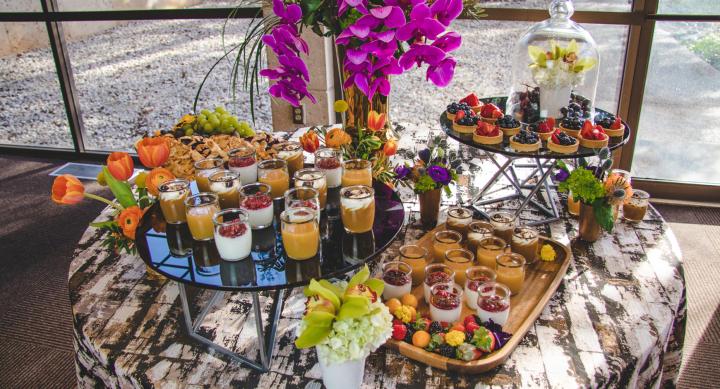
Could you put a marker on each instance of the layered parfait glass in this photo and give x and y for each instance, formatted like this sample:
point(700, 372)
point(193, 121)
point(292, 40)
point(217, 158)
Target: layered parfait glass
point(200, 209)
point(243, 162)
point(474, 277)
point(357, 208)
point(256, 201)
point(204, 168)
point(445, 303)
point(313, 178)
point(330, 161)
point(398, 279)
point(503, 225)
point(459, 219)
point(292, 153)
point(493, 302)
point(226, 185)
point(356, 172)
point(437, 273)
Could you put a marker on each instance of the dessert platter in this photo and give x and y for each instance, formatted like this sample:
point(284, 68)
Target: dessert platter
point(463, 298)
point(482, 123)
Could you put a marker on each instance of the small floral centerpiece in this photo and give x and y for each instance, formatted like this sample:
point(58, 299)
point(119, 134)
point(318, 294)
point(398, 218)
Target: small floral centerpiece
point(559, 66)
point(432, 171)
point(599, 192)
point(345, 322)
point(130, 202)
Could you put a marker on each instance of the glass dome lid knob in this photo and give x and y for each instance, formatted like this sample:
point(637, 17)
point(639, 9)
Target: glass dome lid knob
point(561, 9)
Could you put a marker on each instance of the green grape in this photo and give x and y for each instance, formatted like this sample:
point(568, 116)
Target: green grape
point(201, 117)
point(220, 109)
point(234, 120)
point(205, 112)
point(186, 127)
point(207, 127)
point(202, 121)
point(189, 132)
point(228, 130)
point(214, 121)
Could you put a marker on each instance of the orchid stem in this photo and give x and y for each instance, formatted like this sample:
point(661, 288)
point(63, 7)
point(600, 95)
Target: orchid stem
point(104, 200)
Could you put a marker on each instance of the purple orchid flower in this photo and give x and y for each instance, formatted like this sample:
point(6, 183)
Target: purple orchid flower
point(288, 15)
point(448, 42)
point(419, 54)
point(283, 42)
point(439, 174)
point(401, 171)
point(445, 11)
point(442, 73)
point(360, 5)
point(421, 24)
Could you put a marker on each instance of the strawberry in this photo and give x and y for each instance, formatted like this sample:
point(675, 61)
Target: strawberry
point(445, 325)
point(422, 324)
point(544, 127)
point(617, 124)
point(459, 115)
point(399, 331)
point(471, 100)
point(484, 340)
point(587, 125)
point(469, 319)
point(551, 122)
point(471, 326)
point(458, 327)
point(484, 129)
point(497, 114)
point(397, 321)
point(488, 110)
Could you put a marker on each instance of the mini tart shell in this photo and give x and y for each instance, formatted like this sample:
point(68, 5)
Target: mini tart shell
point(524, 147)
point(571, 132)
point(477, 108)
point(488, 140)
point(450, 116)
point(594, 144)
point(489, 120)
point(510, 131)
point(463, 129)
point(544, 136)
point(615, 133)
point(563, 149)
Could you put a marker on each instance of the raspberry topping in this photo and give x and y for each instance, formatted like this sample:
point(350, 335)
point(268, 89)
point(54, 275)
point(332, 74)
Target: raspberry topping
point(396, 277)
point(437, 276)
point(475, 284)
point(445, 299)
point(305, 203)
point(241, 161)
point(232, 230)
point(257, 201)
point(493, 303)
point(327, 163)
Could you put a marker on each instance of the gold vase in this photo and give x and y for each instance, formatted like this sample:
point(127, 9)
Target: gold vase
point(588, 225)
point(429, 207)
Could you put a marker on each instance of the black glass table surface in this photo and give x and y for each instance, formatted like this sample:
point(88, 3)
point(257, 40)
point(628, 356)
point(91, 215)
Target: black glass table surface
point(505, 149)
point(170, 250)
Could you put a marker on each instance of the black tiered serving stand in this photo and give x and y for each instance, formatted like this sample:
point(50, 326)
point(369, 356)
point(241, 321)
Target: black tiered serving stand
point(170, 250)
point(526, 187)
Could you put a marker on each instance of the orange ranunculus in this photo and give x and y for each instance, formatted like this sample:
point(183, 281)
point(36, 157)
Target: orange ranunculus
point(157, 177)
point(129, 219)
point(67, 189)
point(120, 165)
point(615, 181)
point(310, 141)
point(390, 147)
point(153, 152)
point(337, 137)
point(376, 121)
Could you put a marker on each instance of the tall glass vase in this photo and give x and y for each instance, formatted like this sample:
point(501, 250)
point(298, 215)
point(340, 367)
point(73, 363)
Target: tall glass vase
point(552, 99)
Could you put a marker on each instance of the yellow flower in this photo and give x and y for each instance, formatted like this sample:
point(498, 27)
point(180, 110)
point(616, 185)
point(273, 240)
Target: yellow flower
point(455, 338)
point(404, 313)
point(547, 253)
point(140, 179)
point(340, 106)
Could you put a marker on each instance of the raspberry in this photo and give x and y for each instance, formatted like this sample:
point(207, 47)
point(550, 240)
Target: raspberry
point(257, 201)
point(233, 230)
point(327, 163)
point(241, 162)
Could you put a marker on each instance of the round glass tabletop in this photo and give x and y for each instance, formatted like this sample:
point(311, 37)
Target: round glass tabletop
point(505, 149)
point(170, 250)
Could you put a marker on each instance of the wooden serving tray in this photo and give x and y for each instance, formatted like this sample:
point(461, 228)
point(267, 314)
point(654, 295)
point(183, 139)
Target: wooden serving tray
point(541, 281)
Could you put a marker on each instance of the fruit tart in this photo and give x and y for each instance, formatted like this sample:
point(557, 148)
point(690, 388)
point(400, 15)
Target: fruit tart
point(487, 134)
point(452, 109)
point(473, 102)
point(544, 129)
point(490, 113)
point(593, 137)
point(571, 126)
point(525, 141)
point(562, 143)
point(612, 125)
point(508, 125)
point(465, 122)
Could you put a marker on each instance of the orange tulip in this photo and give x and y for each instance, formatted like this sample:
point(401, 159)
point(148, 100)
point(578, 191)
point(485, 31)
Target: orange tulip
point(310, 141)
point(157, 177)
point(129, 219)
point(67, 189)
point(120, 165)
point(153, 152)
point(376, 121)
point(390, 147)
point(337, 137)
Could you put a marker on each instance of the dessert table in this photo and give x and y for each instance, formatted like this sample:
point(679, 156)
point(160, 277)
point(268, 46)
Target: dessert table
point(618, 318)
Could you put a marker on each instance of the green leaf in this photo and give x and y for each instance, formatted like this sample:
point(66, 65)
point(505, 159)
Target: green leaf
point(603, 214)
point(320, 290)
point(121, 189)
point(375, 285)
point(107, 224)
point(360, 277)
point(312, 336)
point(354, 307)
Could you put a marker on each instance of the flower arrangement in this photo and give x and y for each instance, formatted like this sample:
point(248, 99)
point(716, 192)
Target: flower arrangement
point(593, 185)
point(130, 204)
point(559, 66)
point(345, 321)
point(432, 169)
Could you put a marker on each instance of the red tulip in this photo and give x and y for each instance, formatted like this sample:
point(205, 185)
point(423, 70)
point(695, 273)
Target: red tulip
point(153, 152)
point(376, 121)
point(310, 141)
point(67, 189)
point(390, 147)
point(120, 165)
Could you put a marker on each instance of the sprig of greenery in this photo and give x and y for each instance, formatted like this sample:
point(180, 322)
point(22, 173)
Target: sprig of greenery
point(584, 186)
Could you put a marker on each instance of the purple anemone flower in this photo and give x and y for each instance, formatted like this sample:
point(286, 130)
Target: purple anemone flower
point(401, 171)
point(445, 11)
point(421, 24)
point(439, 174)
point(562, 175)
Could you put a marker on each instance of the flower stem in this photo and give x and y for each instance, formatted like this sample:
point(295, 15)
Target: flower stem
point(104, 200)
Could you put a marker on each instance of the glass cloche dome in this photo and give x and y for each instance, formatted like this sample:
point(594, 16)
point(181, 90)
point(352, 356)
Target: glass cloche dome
point(555, 69)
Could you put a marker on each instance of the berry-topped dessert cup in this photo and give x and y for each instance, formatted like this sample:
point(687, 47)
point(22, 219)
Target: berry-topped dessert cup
point(233, 236)
point(255, 199)
point(445, 303)
point(508, 125)
point(474, 277)
point(437, 273)
point(593, 137)
point(562, 143)
point(398, 279)
point(544, 129)
point(525, 142)
point(313, 178)
point(242, 161)
point(488, 134)
point(330, 161)
point(465, 122)
point(493, 302)
point(490, 113)
point(453, 108)
point(473, 102)
point(612, 125)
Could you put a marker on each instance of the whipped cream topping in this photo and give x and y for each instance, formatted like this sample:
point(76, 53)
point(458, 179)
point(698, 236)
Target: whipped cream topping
point(524, 236)
point(357, 198)
point(173, 195)
point(288, 154)
point(222, 187)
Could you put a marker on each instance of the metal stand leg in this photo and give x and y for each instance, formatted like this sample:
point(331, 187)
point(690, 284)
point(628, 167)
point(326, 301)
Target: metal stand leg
point(265, 341)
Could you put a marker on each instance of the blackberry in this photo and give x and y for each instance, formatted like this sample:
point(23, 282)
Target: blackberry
point(435, 327)
point(409, 334)
point(508, 121)
point(565, 139)
point(606, 121)
point(468, 120)
point(447, 350)
point(573, 123)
